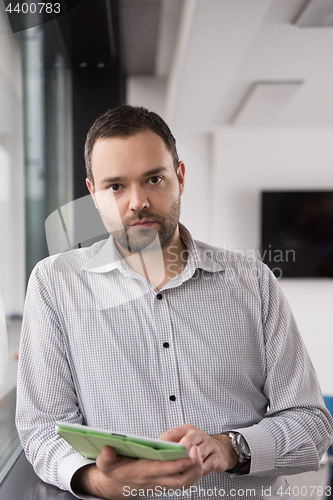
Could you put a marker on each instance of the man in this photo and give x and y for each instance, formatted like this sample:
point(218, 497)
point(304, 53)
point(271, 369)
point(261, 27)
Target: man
point(155, 334)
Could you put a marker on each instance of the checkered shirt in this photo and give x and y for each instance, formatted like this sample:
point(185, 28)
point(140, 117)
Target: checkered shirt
point(216, 347)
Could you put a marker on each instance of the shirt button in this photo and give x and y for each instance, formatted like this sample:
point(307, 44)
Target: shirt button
point(159, 296)
point(166, 344)
point(172, 398)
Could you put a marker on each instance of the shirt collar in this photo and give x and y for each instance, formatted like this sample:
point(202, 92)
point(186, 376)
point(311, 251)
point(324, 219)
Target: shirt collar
point(197, 257)
point(106, 259)
point(109, 258)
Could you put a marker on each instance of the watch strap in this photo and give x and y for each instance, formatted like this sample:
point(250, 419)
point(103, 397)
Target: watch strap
point(239, 466)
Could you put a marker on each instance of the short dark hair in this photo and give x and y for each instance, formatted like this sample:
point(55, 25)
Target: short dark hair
point(125, 121)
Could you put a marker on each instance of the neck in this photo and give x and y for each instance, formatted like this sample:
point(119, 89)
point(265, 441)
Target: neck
point(156, 266)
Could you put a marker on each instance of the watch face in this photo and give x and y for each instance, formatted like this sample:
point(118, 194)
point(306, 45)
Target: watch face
point(242, 446)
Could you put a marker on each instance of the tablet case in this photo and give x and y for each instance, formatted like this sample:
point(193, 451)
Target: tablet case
point(89, 442)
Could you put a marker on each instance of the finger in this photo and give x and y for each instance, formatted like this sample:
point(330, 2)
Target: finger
point(184, 478)
point(192, 438)
point(170, 468)
point(206, 448)
point(107, 460)
point(194, 454)
point(210, 464)
point(194, 473)
point(108, 453)
point(176, 433)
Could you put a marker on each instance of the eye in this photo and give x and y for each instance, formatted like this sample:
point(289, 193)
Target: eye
point(114, 187)
point(156, 179)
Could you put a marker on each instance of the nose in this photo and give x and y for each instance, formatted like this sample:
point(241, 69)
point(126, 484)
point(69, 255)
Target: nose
point(138, 199)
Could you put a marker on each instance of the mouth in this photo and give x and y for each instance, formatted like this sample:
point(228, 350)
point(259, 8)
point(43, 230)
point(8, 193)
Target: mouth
point(143, 223)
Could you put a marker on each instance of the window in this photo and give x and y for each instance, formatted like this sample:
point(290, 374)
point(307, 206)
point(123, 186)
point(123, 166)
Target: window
point(35, 179)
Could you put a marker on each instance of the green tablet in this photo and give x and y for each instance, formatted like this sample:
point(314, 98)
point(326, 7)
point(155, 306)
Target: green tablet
point(89, 441)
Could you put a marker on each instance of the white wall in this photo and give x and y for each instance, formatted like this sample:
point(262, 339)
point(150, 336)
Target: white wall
point(194, 150)
point(147, 91)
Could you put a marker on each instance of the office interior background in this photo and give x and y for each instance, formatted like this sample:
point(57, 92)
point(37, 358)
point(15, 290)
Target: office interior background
point(246, 87)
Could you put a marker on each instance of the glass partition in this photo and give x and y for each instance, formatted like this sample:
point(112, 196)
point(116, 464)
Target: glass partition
point(36, 178)
point(12, 261)
point(48, 133)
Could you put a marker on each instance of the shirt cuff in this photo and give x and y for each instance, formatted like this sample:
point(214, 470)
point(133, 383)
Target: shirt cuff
point(262, 447)
point(67, 468)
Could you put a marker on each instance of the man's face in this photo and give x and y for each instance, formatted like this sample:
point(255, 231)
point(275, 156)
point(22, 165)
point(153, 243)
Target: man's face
point(136, 189)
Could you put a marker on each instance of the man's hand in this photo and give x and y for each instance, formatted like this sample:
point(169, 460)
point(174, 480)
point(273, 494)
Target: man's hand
point(216, 452)
point(112, 473)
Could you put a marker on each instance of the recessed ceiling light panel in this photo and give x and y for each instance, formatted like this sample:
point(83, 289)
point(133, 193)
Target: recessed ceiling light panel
point(316, 14)
point(263, 103)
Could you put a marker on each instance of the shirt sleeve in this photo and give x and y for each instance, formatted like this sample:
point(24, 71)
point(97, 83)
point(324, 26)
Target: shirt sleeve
point(297, 428)
point(45, 389)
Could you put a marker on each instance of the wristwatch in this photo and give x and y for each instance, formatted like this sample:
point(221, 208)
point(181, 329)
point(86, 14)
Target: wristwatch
point(242, 449)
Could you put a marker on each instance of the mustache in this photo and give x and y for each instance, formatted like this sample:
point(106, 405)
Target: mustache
point(141, 216)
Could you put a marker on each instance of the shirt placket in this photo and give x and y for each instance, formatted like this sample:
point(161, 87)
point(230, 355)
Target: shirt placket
point(169, 376)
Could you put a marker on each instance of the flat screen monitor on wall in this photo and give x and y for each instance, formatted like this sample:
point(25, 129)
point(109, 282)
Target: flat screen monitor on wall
point(297, 233)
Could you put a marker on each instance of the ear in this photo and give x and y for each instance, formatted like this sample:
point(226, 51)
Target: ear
point(91, 188)
point(181, 176)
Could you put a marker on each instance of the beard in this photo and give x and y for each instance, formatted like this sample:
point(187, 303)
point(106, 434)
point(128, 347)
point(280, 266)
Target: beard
point(137, 239)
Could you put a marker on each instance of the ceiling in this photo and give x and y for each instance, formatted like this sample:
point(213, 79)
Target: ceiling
point(213, 51)
point(148, 33)
point(139, 26)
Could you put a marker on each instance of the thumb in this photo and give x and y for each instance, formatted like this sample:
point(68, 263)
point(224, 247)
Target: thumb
point(106, 460)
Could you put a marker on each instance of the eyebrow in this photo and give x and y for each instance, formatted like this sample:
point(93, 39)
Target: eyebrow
point(121, 178)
